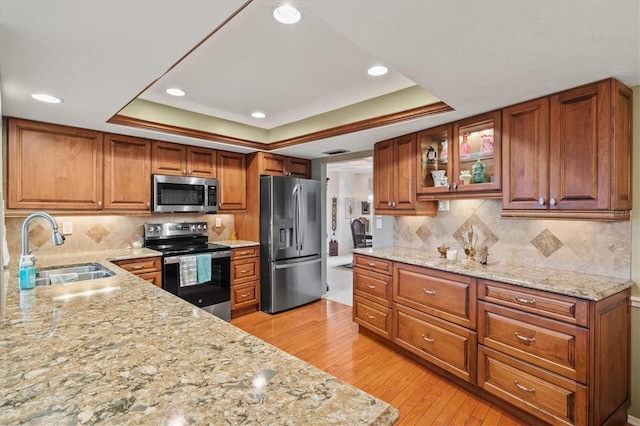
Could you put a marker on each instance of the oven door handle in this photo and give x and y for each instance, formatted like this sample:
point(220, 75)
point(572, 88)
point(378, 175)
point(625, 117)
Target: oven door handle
point(214, 255)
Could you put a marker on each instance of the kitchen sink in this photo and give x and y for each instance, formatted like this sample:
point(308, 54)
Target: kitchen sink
point(68, 274)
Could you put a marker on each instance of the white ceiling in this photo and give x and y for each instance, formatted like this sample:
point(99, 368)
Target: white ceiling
point(475, 56)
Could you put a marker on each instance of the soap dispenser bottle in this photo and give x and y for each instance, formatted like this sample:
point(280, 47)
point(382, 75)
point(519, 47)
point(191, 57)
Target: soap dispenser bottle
point(27, 273)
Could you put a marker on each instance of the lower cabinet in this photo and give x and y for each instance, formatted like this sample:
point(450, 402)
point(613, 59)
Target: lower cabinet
point(245, 280)
point(560, 359)
point(147, 268)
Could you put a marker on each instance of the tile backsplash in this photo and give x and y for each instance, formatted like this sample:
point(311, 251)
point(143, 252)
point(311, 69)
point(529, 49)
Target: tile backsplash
point(92, 233)
point(602, 248)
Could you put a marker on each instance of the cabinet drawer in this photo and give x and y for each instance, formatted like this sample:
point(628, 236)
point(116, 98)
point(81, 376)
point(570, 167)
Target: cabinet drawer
point(244, 271)
point(448, 296)
point(154, 278)
point(551, 305)
point(142, 265)
point(372, 316)
point(245, 295)
point(446, 345)
point(372, 263)
point(375, 287)
point(245, 253)
point(558, 347)
point(550, 397)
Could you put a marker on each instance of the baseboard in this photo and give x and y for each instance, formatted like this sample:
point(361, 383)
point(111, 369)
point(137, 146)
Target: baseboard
point(633, 420)
point(635, 302)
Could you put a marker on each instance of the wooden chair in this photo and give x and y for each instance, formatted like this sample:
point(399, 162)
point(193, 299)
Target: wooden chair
point(358, 233)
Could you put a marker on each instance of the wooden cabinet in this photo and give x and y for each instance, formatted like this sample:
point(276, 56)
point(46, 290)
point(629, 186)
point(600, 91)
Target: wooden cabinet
point(560, 359)
point(565, 360)
point(394, 176)
point(280, 165)
point(435, 317)
point(569, 155)
point(372, 294)
point(53, 167)
point(147, 268)
point(183, 160)
point(433, 160)
point(245, 280)
point(232, 182)
point(127, 171)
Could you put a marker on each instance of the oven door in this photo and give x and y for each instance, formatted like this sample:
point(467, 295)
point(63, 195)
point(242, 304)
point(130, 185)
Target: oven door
point(214, 292)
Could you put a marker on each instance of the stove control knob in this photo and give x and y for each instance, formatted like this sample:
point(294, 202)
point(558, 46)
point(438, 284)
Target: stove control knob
point(199, 227)
point(193, 227)
point(204, 227)
point(157, 228)
point(150, 229)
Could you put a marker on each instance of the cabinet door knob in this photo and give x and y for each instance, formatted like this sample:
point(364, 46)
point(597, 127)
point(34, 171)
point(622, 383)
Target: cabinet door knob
point(99, 203)
point(542, 201)
point(552, 202)
point(393, 204)
point(184, 172)
point(389, 202)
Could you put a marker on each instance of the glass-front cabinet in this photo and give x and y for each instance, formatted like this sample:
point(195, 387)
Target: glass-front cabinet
point(459, 158)
point(434, 167)
point(476, 153)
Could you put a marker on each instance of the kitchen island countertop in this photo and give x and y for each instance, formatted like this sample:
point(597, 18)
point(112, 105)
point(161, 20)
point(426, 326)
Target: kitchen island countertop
point(568, 283)
point(119, 350)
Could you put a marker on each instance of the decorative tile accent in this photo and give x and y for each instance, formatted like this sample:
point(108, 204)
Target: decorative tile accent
point(38, 235)
point(546, 243)
point(424, 233)
point(218, 230)
point(97, 233)
point(486, 238)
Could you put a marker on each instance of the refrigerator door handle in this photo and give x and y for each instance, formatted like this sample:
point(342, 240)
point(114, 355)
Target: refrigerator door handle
point(292, 265)
point(296, 214)
point(301, 205)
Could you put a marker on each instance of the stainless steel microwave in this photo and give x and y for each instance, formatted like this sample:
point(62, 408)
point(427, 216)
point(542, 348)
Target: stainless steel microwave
point(181, 194)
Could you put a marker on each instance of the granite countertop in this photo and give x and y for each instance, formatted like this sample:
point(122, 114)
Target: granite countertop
point(581, 285)
point(119, 350)
point(237, 243)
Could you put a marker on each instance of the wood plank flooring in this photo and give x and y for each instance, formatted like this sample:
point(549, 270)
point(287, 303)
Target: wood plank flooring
point(324, 335)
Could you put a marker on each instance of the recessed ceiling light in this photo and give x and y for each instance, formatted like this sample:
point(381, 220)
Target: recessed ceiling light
point(46, 98)
point(286, 14)
point(377, 70)
point(258, 114)
point(175, 92)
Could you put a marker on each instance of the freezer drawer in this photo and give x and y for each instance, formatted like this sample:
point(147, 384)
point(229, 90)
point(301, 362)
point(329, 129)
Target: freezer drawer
point(291, 283)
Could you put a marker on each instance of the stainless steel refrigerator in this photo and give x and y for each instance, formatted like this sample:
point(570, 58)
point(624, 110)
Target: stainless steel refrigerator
point(290, 260)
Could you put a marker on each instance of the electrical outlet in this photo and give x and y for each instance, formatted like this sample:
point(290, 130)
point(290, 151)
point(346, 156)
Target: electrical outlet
point(218, 222)
point(67, 228)
point(443, 205)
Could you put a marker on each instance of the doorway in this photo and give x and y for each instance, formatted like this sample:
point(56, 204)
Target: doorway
point(349, 195)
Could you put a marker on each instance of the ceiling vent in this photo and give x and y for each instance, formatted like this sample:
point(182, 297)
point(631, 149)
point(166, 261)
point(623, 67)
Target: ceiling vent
point(336, 151)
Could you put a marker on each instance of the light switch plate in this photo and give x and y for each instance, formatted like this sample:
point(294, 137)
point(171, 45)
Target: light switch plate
point(67, 228)
point(443, 205)
point(218, 222)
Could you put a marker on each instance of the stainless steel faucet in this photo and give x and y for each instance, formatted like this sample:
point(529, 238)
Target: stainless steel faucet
point(58, 238)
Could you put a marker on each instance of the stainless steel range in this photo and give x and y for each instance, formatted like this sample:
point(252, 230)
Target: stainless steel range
point(193, 268)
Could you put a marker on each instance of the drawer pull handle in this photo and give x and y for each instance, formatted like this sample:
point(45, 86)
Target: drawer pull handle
point(525, 339)
point(370, 316)
point(137, 266)
point(244, 295)
point(244, 252)
point(425, 291)
point(371, 263)
point(428, 339)
point(244, 271)
point(524, 388)
point(371, 285)
point(526, 301)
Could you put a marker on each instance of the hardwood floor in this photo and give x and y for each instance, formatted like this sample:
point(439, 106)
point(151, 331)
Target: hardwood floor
point(324, 335)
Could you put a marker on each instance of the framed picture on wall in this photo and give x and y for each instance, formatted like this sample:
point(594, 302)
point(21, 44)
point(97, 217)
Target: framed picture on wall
point(365, 207)
point(349, 207)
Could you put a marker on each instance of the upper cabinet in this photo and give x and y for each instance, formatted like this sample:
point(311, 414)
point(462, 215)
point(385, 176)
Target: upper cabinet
point(127, 168)
point(460, 160)
point(183, 160)
point(280, 165)
point(394, 175)
point(53, 167)
point(569, 155)
point(232, 182)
